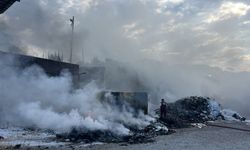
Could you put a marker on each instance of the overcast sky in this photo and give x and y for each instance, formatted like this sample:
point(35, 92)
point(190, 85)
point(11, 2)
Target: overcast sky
point(210, 32)
point(168, 45)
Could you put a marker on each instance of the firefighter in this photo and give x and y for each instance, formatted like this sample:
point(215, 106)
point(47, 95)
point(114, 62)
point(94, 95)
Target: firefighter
point(163, 109)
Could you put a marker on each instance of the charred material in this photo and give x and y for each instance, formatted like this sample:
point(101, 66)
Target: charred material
point(1, 138)
point(87, 136)
point(17, 146)
point(136, 136)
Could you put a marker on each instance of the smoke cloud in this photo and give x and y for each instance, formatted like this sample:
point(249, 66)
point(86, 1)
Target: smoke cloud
point(30, 98)
point(169, 48)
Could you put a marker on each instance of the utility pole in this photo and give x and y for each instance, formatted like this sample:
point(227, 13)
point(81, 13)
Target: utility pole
point(72, 20)
point(83, 55)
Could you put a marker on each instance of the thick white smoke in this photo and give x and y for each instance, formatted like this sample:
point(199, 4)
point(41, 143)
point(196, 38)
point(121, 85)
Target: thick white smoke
point(174, 82)
point(167, 47)
point(30, 98)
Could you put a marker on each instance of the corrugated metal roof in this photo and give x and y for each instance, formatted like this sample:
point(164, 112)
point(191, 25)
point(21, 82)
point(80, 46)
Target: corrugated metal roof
point(5, 4)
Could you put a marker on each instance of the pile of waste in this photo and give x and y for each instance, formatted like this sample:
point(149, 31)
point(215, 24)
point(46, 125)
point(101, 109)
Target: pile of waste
point(182, 113)
point(136, 135)
point(195, 109)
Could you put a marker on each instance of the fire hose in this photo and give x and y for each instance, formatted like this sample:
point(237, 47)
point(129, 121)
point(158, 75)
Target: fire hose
point(227, 127)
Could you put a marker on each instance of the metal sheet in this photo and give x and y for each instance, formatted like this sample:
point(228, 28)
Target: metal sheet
point(5, 4)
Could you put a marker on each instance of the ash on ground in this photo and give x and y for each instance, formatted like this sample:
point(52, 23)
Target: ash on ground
point(136, 135)
point(16, 137)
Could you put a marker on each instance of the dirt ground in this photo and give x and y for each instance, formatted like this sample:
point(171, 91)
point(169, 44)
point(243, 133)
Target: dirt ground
point(206, 138)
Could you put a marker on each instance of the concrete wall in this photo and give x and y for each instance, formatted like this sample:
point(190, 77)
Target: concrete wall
point(82, 76)
point(50, 67)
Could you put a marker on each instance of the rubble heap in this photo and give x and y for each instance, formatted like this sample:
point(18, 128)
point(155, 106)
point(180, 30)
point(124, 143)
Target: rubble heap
point(187, 110)
point(195, 109)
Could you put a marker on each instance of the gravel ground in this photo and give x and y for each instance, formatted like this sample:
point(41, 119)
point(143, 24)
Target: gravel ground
point(207, 138)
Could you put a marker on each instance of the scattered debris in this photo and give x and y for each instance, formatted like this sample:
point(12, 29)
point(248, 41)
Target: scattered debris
point(18, 135)
point(147, 134)
point(198, 125)
point(1, 138)
point(123, 144)
point(17, 146)
point(136, 136)
point(192, 111)
point(87, 136)
point(231, 115)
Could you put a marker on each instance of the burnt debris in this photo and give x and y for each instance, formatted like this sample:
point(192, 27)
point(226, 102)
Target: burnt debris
point(136, 135)
point(1, 138)
point(179, 114)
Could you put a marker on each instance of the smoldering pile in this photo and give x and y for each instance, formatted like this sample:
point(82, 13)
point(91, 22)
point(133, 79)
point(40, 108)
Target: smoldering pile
point(135, 136)
point(196, 109)
point(179, 114)
point(141, 129)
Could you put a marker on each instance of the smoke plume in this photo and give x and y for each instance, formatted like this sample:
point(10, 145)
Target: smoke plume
point(169, 48)
point(30, 98)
